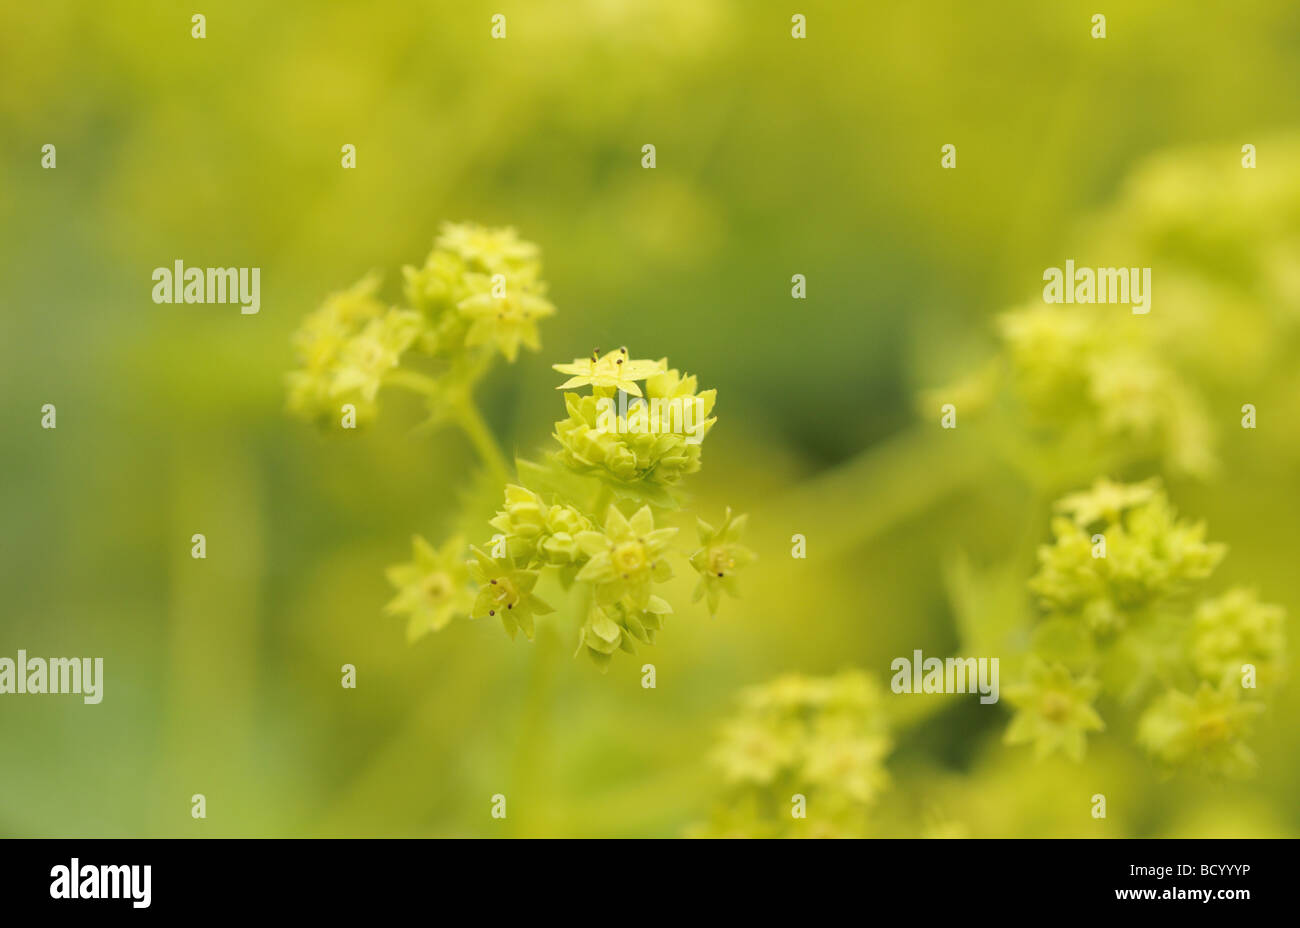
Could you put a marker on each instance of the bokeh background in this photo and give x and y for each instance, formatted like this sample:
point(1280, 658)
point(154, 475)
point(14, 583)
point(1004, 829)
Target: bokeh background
point(775, 157)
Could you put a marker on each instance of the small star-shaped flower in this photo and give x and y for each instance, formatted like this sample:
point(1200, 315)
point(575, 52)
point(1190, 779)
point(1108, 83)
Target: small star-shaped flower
point(432, 588)
point(615, 371)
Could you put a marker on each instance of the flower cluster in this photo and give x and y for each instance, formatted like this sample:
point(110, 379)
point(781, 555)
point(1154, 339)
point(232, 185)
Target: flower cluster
point(601, 527)
point(1124, 618)
point(1089, 388)
point(1074, 383)
point(593, 516)
point(641, 447)
point(823, 738)
point(1054, 710)
point(479, 294)
point(1144, 555)
point(1205, 730)
point(597, 527)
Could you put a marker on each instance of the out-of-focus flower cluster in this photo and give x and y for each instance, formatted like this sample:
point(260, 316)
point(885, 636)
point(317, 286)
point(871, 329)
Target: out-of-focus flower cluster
point(824, 739)
point(479, 294)
point(1144, 556)
point(1125, 618)
point(1080, 389)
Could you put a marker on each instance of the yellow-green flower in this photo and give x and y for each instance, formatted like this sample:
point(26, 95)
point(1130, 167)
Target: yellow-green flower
point(533, 529)
point(616, 626)
point(638, 452)
point(720, 556)
point(506, 321)
point(1237, 629)
point(626, 557)
point(375, 352)
point(505, 591)
point(321, 339)
point(1204, 731)
point(488, 250)
point(791, 693)
point(1054, 711)
point(756, 750)
point(435, 289)
point(432, 588)
point(841, 756)
point(826, 738)
point(615, 371)
point(1107, 501)
point(1150, 557)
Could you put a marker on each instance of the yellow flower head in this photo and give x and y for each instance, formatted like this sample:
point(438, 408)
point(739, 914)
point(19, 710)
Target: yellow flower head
point(1055, 711)
point(432, 588)
point(615, 371)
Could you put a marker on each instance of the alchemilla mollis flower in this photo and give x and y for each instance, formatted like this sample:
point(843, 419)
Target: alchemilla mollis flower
point(645, 446)
point(615, 371)
point(1126, 620)
point(505, 591)
point(1235, 630)
point(1150, 556)
point(1204, 730)
point(505, 321)
point(824, 738)
point(375, 351)
point(1053, 711)
point(432, 588)
point(591, 522)
point(718, 559)
point(478, 296)
point(592, 516)
point(534, 530)
point(624, 558)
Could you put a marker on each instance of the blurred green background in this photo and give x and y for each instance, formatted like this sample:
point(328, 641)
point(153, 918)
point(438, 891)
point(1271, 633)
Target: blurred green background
point(775, 157)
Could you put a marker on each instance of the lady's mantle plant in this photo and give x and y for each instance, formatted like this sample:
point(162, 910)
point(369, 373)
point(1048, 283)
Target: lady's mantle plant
point(594, 515)
point(824, 739)
point(1125, 620)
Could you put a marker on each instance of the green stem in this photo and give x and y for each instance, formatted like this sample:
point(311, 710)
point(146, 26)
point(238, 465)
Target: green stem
point(603, 498)
point(412, 380)
point(475, 428)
